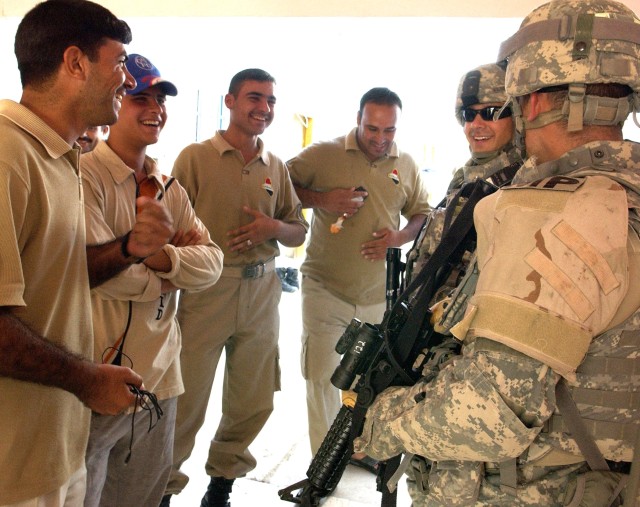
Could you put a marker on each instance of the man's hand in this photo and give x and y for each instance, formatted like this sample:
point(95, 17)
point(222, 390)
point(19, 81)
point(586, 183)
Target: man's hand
point(108, 390)
point(343, 201)
point(160, 261)
point(261, 229)
point(153, 228)
point(189, 238)
point(376, 249)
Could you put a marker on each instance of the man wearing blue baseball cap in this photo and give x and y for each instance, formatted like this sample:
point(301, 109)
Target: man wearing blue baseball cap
point(129, 455)
point(147, 75)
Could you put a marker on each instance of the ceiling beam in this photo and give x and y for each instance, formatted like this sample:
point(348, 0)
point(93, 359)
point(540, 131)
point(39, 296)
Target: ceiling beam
point(306, 8)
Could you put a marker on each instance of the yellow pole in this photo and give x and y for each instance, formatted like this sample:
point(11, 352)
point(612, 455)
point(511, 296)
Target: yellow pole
point(307, 131)
point(307, 139)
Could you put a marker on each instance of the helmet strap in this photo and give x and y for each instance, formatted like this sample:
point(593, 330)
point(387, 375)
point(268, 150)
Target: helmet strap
point(543, 119)
point(518, 137)
point(580, 109)
point(607, 110)
point(576, 106)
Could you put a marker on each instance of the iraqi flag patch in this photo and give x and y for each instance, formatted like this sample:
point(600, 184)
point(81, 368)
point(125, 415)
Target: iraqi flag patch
point(393, 175)
point(267, 186)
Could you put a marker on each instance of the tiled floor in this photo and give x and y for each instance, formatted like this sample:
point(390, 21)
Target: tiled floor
point(282, 448)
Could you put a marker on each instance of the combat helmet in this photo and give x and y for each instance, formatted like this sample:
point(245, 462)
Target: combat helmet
point(482, 85)
point(574, 43)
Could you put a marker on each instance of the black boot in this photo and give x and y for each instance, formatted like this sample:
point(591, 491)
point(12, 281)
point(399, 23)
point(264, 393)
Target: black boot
point(217, 494)
point(283, 275)
point(292, 278)
point(166, 500)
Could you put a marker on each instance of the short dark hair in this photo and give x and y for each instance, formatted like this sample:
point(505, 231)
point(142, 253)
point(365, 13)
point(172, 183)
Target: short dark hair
point(382, 96)
point(52, 26)
point(249, 75)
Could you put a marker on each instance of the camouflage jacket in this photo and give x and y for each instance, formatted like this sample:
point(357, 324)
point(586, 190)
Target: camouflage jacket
point(493, 403)
point(431, 233)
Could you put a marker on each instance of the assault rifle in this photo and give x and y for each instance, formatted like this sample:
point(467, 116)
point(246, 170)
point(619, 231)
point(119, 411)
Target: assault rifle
point(388, 354)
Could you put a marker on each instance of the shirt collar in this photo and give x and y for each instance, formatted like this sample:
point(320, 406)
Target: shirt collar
point(27, 120)
point(222, 146)
point(120, 171)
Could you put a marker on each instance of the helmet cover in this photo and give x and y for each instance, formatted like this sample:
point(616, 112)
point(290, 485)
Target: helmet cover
point(573, 41)
point(482, 85)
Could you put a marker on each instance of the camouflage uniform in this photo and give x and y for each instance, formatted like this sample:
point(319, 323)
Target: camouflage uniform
point(482, 85)
point(559, 252)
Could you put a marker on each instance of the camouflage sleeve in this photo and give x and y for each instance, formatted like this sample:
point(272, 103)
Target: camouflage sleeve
point(483, 406)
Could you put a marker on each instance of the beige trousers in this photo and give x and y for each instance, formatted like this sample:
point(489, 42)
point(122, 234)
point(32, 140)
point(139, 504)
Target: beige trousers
point(324, 319)
point(240, 317)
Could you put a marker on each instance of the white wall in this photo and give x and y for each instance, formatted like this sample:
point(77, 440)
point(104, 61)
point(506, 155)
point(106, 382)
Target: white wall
point(322, 67)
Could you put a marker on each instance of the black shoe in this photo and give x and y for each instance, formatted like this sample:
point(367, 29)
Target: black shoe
point(166, 499)
point(217, 494)
point(292, 277)
point(283, 275)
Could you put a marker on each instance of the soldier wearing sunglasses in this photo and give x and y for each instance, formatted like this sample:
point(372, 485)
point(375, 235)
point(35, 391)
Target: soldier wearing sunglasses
point(541, 406)
point(488, 127)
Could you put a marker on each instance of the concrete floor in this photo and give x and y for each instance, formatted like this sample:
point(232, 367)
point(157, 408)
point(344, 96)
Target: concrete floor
point(282, 448)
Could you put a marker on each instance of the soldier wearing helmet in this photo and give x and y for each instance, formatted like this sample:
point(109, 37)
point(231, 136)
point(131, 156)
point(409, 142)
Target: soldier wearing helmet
point(488, 127)
point(541, 408)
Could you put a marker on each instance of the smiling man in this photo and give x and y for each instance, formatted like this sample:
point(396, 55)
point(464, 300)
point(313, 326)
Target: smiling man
point(134, 312)
point(490, 131)
point(364, 183)
point(91, 137)
point(244, 196)
point(479, 99)
point(71, 56)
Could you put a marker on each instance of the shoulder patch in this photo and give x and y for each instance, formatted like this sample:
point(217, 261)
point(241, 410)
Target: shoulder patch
point(559, 183)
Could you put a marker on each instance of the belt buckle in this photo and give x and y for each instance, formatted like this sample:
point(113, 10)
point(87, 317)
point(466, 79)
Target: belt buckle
point(253, 270)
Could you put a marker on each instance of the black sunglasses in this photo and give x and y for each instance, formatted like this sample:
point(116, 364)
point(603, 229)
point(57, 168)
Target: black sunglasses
point(486, 113)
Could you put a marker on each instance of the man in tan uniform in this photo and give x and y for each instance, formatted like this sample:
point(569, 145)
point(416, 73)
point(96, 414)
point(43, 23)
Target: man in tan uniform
point(245, 198)
point(91, 137)
point(541, 407)
point(134, 312)
point(70, 54)
point(358, 185)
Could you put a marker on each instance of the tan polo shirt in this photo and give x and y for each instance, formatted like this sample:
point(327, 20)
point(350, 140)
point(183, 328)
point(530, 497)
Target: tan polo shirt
point(395, 188)
point(152, 339)
point(44, 279)
point(219, 184)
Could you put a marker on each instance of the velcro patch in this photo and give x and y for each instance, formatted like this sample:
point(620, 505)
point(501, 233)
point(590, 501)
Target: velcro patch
point(558, 183)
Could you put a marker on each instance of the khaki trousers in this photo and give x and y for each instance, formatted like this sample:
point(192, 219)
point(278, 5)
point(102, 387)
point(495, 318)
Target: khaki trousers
point(239, 316)
point(324, 319)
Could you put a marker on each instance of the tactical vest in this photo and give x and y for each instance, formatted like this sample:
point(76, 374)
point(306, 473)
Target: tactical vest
point(577, 283)
point(499, 171)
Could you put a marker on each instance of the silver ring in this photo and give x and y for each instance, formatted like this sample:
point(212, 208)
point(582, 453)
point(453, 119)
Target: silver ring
point(249, 243)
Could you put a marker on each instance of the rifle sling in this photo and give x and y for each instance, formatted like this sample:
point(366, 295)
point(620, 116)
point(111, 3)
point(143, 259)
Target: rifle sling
point(455, 241)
